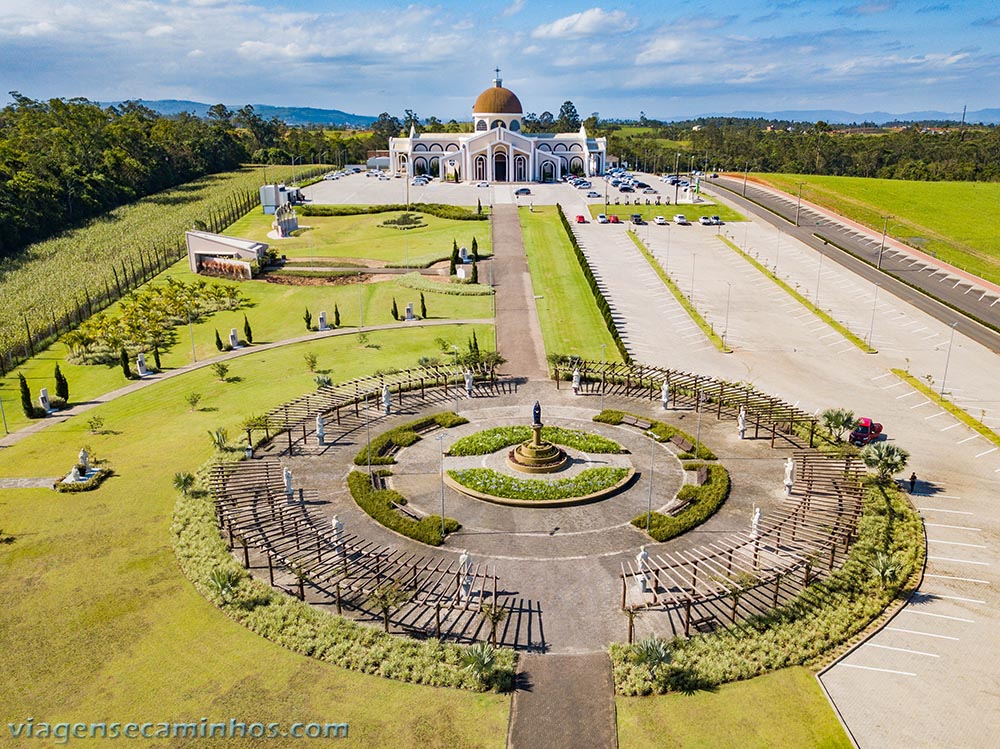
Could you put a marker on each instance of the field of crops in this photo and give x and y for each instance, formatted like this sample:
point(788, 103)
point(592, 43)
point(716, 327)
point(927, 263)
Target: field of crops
point(50, 279)
point(953, 220)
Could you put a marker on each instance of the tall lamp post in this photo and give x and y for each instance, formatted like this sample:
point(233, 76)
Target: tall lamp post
point(677, 185)
point(440, 439)
point(361, 305)
point(4, 416)
point(947, 360)
point(603, 346)
point(881, 247)
point(746, 176)
point(649, 500)
point(871, 328)
point(798, 206)
point(729, 293)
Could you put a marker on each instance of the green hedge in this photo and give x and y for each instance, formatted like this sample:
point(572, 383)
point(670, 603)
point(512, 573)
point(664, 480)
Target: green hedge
point(418, 282)
point(589, 481)
point(662, 431)
point(403, 436)
point(827, 614)
point(705, 500)
point(84, 486)
point(454, 212)
point(298, 626)
point(490, 440)
point(378, 504)
point(602, 303)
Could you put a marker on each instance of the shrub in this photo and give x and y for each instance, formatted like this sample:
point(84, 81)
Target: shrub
point(193, 399)
point(491, 440)
point(403, 436)
point(422, 284)
point(454, 212)
point(308, 319)
point(95, 424)
point(26, 405)
point(247, 330)
point(311, 360)
point(704, 501)
point(221, 370)
point(663, 432)
point(378, 503)
point(62, 385)
point(218, 340)
point(589, 481)
point(84, 486)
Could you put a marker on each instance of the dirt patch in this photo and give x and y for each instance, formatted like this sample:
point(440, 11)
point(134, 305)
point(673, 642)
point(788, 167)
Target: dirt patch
point(313, 281)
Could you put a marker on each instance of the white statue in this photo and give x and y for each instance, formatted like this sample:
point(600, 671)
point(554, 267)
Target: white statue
point(469, 382)
point(287, 475)
point(642, 564)
point(465, 572)
point(665, 394)
point(576, 381)
point(75, 474)
point(320, 429)
point(754, 522)
point(338, 529)
point(84, 460)
point(386, 399)
point(741, 422)
point(789, 475)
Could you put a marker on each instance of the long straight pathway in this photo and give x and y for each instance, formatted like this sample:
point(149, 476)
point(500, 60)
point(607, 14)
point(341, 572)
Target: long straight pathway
point(519, 333)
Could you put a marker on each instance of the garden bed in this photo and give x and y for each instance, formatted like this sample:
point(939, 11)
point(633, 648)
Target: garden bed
point(492, 440)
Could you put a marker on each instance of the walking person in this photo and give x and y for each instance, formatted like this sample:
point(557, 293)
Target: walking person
point(913, 482)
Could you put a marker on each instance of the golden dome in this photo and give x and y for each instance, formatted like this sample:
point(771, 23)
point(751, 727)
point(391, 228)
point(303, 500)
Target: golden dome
point(497, 100)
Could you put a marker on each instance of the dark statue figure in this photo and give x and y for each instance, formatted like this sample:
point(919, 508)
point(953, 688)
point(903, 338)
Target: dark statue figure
point(537, 412)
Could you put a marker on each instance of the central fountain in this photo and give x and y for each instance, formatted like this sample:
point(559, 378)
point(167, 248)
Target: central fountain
point(537, 455)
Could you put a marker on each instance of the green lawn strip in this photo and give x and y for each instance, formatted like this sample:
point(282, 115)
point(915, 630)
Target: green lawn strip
point(363, 236)
point(275, 313)
point(703, 501)
point(403, 435)
point(488, 481)
point(948, 406)
point(49, 279)
point(827, 614)
point(693, 313)
point(952, 220)
point(785, 709)
point(423, 283)
point(822, 315)
point(105, 625)
point(648, 212)
point(570, 321)
point(380, 504)
point(490, 440)
point(662, 431)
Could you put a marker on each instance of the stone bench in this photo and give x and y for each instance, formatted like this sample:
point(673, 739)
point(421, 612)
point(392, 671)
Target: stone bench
point(701, 476)
point(638, 423)
point(378, 481)
point(678, 508)
point(409, 512)
point(427, 428)
point(682, 443)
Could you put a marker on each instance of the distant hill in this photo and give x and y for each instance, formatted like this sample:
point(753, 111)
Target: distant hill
point(290, 115)
point(838, 117)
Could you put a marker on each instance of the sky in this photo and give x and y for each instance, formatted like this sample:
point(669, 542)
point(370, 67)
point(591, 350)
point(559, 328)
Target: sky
point(667, 59)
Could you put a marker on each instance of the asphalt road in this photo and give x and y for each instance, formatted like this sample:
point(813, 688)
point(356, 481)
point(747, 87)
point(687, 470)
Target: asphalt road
point(947, 296)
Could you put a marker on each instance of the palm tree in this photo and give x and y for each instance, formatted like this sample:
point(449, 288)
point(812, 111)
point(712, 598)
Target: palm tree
point(219, 437)
point(387, 597)
point(224, 581)
point(838, 421)
point(494, 614)
point(652, 652)
point(479, 659)
point(886, 458)
point(183, 482)
point(885, 567)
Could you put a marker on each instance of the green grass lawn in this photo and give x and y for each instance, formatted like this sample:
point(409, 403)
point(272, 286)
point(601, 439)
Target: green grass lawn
point(649, 212)
point(275, 313)
point(955, 220)
point(362, 236)
point(107, 628)
point(781, 709)
point(569, 318)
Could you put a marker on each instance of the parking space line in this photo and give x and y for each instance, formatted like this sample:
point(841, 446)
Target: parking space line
point(925, 634)
point(872, 668)
point(956, 598)
point(938, 616)
point(956, 424)
point(921, 405)
point(934, 416)
point(941, 509)
point(900, 650)
point(884, 374)
point(987, 452)
point(956, 543)
point(967, 439)
point(953, 527)
point(960, 561)
point(907, 395)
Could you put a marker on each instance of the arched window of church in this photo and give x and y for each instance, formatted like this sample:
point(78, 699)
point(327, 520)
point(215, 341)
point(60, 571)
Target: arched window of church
point(515, 125)
point(481, 125)
point(496, 123)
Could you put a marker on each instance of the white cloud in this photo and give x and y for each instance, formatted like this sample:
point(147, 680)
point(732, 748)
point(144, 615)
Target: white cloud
point(514, 8)
point(161, 30)
point(36, 29)
point(587, 23)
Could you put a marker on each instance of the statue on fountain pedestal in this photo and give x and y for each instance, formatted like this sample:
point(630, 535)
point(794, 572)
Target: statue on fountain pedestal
point(537, 412)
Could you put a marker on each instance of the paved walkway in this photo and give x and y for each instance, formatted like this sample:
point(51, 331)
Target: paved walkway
point(519, 333)
point(563, 701)
point(33, 483)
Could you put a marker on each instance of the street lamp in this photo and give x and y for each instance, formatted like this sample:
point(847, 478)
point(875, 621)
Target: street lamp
point(881, 247)
point(694, 258)
point(649, 500)
point(746, 176)
point(871, 328)
point(677, 185)
point(947, 360)
point(368, 429)
point(798, 206)
point(725, 332)
point(440, 439)
point(361, 305)
point(4, 416)
point(603, 346)
point(819, 275)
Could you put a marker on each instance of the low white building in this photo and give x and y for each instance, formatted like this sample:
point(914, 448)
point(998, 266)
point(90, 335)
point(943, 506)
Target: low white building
point(219, 255)
point(497, 150)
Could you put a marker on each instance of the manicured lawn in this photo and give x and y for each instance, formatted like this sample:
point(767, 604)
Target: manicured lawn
point(363, 236)
point(275, 313)
point(955, 220)
point(107, 628)
point(569, 318)
point(649, 212)
point(782, 709)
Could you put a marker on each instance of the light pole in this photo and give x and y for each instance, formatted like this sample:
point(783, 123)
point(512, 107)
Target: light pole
point(649, 500)
point(666, 263)
point(881, 247)
point(194, 356)
point(694, 258)
point(294, 159)
point(729, 293)
point(677, 177)
point(697, 438)
point(871, 328)
point(798, 206)
point(368, 429)
point(947, 360)
point(746, 176)
point(361, 305)
point(440, 439)
point(819, 275)
point(4, 416)
point(777, 255)
point(603, 346)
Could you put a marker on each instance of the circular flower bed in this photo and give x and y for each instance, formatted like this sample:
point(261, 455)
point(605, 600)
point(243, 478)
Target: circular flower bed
point(491, 440)
point(592, 481)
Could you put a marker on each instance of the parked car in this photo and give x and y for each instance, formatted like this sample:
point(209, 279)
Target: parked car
point(522, 191)
point(613, 219)
point(717, 221)
point(649, 191)
point(680, 219)
point(706, 221)
point(660, 220)
point(626, 188)
point(482, 184)
point(866, 431)
point(601, 218)
point(580, 219)
point(637, 219)
point(593, 194)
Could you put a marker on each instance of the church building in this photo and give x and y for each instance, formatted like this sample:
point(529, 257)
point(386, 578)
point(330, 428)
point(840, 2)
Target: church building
point(497, 150)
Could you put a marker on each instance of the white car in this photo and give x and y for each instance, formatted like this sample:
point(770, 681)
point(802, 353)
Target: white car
point(482, 184)
point(601, 218)
point(706, 221)
point(659, 220)
point(680, 219)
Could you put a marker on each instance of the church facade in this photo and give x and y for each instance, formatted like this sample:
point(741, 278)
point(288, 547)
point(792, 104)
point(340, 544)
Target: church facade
point(497, 150)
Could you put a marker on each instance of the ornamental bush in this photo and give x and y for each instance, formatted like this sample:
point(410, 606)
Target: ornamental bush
point(663, 432)
point(403, 436)
point(490, 440)
point(703, 501)
point(378, 503)
point(488, 481)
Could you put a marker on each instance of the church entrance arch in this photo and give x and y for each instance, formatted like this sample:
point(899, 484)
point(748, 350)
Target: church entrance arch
point(434, 169)
point(500, 167)
point(481, 168)
point(547, 173)
point(520, 169)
